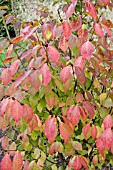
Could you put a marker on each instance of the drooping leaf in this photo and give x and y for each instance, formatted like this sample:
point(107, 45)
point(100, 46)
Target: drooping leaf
point(6, 76)
point(14, 67)
point(108, 122)
point(89, 109)
point(80, 62)
point(17, 39)
point(93, 131)
point(107, 30)
point(56, 147)
point(103, 2)
point(47, 31)
point(87, 50)
point(77, 163)
point(46, 74)
point(95, 160)
point(70, 11)
point(17, 110)
point(28, 113)
point(65, 73)
point(63, 44)
point(80, 75)
point(30, 32)
point(50, 129)
point(107, 138)
point(98, 30)
point(100, 145)
point(17, 161)
point(9, 19)
point(76, 23)
point(9, 50)
point(64, 131)
point(6, 163)
point(53, 54)
point(34, 80)
point(35, 122)
point(67, 30)
point(91, 9)
point(86, 129)
point(77, 145)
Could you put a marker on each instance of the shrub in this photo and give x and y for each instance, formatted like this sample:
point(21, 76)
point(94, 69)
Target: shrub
point(56, 91)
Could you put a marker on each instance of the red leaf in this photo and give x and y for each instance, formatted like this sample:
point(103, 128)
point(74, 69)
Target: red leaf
point(95, 160)
point(14, 67)
point(46, 74)
point(80, 62)
point(28, 113)
point(64, 131)
point(6, 163)
point(73, 114)
point(9, 51)
point(66, 28)
point(67, 121)
point(34, 80)
point(17, 110)
point(17, 39)
point(89, 108)
point(47, 31)
point(53, 53)
point(87, 50)
point(76, 23)
point(50, 129)
point(100, 145)
point(21, 78)
point(77, 163)
point(63, 44)
point(108, 122)
point(6, 76)
point(86, 129)
point(93, 131)
point(65, 73)
point(70, 11)
point(17, 161)
point(80, 75)
point(98, 30)
point(91, 9)
point(107, 138)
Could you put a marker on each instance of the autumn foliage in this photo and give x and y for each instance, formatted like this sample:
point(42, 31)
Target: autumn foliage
point(56, 90)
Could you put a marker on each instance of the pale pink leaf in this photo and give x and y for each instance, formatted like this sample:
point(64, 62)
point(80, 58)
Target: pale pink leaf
point(46, 74)
point(70, 11)
point(50, 129)
point(9, 50)
point(14, 67)
point(53, 54)
point(34, 80)
point(107, 138)
point(93, 131)
point(80, 62)
point(100, 145)
point(3, 106)
point(91, 9)
point(67, 30)
point(6, 163)
point(108, 122)
point(107, 30)
point(77, 145)
point(63, 44)
point(17, 161)
point(65, 73)
point(89, 109)
point(6, 76)
point(87, 50)
point(30, 32)
point(98, 30)
point(72, 41)
point(80, 75)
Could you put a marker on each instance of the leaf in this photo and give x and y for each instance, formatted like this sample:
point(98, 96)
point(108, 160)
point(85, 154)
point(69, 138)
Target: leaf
point(85, 130)
point(107, 30)
point(100, 145)
point(76, 23)
point(53, 54)
point(70, 11)
point(77, 163)
point(65, 73)
point(107, 138)
point(17, 161)
point(9, 50)
point(79, 97)
point(108, 122)
point(46, 74)
point(14, 67)
point(94, 132)
point(73, 114)
point(56, 147)
point(87, 50)
point(6, 76)
point(89, 109)
point(95, 160)
point(28, 113)
point(35, 122)
point(98, 30)
point(72, 41)
point(80, 75)
point(103, 2)
point(80, 62)
point(30, 32)
point(17, 39)
point(91, 9)
point(17, 110)
point(63, 44)
point(47, 31)
point(77, 145)
point(83, 114)
point(6, 163)
point(64, 131)
point(67, 121)
point(35, 80)
point(66, 28)
point(50, 129)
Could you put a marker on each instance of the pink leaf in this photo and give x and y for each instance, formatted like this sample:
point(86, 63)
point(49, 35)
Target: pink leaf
point(17, 39)
point(6, 76)
point(103, 2)
point(63, 44)
point(9, 19)
point(17, 110)
point(14, 67)
point(107, 30)
point(34, 80)
point(80, 62)
point(77, 145)
point(72, 41)
point(46, 74)
point(76, 23)
point(98, 30)
point(65, 73)
point(93, 131)
point(47, 31)
point(87, 50)
point(86, 129)
point(64, 131)
point(53, 53)
point(100, 145)
point(3, 106)
point(107, 138)
point(50, 129)
point(68, 122)
point(30, 32)
point(6, 163)
point(83, 113)
point(35, 122)
point(9, 51)
point(77, 163)
point(73, 114)
point(89, 109)
point(17, 161)
point(66, 28)
point(70, 11)
point(108, 122)
point(91, 9)
point(28, 113)
point(80, 75)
